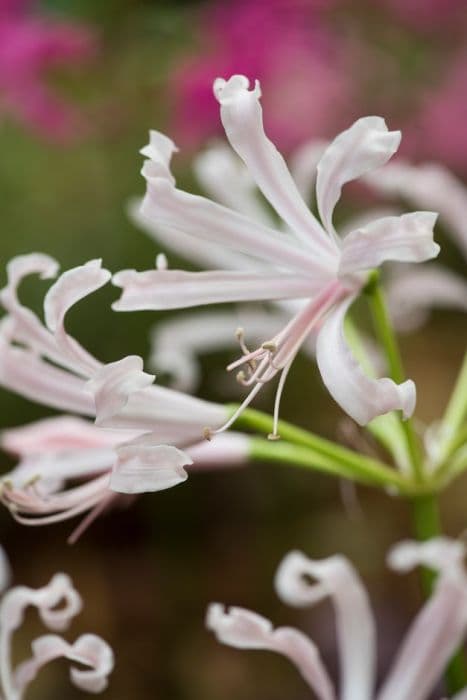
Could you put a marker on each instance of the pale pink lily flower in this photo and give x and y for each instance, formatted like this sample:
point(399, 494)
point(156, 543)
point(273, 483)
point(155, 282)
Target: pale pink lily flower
point(310, 262)
point(434, 635)
point(412, 293)
point(57, 604)
point(226, 180)
point(144, 435)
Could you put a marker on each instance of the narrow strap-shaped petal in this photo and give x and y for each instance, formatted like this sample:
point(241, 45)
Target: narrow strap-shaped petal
point(244, 629)
point(72, 286)
point(89, 650)
point(174, 417)
point(36, 380)
point(412, 294)
point(366, 145)
point(224, 177)
point(362, 397)
point(159, 151)
point(427, 185)
point(228, 450)
point(144, 465)
point(174, 289)
point(356, 636)
point(406, 238)
point(176, 343)
point(439, 627)
point(197, 216)
point(242, 119)
point(171, 239)
point(57, 433)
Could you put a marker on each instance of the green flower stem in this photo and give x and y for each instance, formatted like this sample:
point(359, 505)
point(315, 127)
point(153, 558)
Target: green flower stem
point(319, 453)
point(455, 415)
point(387, 338)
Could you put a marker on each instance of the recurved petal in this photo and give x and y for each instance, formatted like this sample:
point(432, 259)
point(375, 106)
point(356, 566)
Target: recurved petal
point(337, 579)
point(114, 383)
point(362, 397)
point(159, 151)
point(144, 465)
point(439, 627)
point(175, 289)
point(242, 118)
point(406, 238)
point(72, 286)
point(89, 650)
point(366, 145)
point(244, 629)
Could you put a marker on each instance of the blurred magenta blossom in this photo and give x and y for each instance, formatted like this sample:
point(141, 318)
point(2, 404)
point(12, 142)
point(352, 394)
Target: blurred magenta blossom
point(31, 44)
point(285, 44)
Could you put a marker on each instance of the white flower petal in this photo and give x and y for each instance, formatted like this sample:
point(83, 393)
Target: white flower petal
point(406, 238)
point(362, 397)
point(440, 626)
point(427, 185)
point(56, 434)
point(72, 286)
point(227, 450)
point(159, 150)
point(414, 293)
point(174, 289)
point(39, 381)
point(144, 465)
point(187, 247)
point(205, 220)
point(241, 116)
point(244, 629)
point(224, 177)
point(337, 579)
point(89, 650)
point(366, 145)
point(114, 383)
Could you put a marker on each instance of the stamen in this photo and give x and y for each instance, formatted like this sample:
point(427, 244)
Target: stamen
point(238, 412)
point(277, 402)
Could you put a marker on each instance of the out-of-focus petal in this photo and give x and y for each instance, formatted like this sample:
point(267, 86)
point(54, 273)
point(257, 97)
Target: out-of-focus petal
point(412, 294)
point(56, 434)
point(145, 465)
point(227, 450)
point(242, 118)
point(366, 145)
point(224, 177)
point(174, 289)
point(187, 247)
point(362, 397)
point(440, 626)
point(356, 635)
point(303, 166)
point(427, 185)
point(406, 238)
point(244, 629)
point(176, 343)
point(72, 286)
point(89, 650)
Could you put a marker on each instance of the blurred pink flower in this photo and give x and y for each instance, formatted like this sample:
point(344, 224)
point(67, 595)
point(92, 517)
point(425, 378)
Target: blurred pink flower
point(30, 45)
point(284, 43)
point(439, 130)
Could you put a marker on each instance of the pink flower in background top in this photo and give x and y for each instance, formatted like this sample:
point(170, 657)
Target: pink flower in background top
point(30, 45)
point(439, 130)
point(285, 44)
